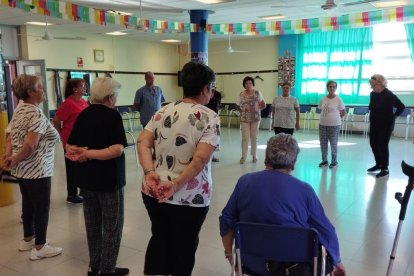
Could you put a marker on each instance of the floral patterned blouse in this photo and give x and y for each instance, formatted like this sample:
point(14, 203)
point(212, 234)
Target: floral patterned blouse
point(178, 127)
point(249, 106)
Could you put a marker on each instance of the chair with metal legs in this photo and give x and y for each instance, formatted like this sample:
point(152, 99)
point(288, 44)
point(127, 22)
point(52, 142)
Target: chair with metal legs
point(256, 244)
point(131, 141)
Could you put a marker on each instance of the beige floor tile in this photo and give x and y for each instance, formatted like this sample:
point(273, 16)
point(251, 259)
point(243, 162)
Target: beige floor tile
point(362, 208)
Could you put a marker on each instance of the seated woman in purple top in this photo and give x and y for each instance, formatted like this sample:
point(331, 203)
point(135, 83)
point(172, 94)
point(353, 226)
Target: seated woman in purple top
point(273, 196)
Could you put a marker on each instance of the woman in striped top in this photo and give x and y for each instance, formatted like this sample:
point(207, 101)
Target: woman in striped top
point(31, 159)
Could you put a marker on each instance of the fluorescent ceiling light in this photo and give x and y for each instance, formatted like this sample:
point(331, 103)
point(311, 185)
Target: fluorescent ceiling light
point(209, 2)
point(272, 17)
point(171, 40)
point(388, 4)
point(38, 23)
point(116, 33)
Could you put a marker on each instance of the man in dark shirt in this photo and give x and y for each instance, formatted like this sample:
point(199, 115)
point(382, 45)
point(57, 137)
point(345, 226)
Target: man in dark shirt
point(215, 104)
point(382, 118)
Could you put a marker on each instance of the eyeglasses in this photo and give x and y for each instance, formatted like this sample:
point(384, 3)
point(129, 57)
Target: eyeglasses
point(373, 78)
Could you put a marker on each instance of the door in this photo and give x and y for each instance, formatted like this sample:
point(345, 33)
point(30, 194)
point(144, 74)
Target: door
point(35, 67)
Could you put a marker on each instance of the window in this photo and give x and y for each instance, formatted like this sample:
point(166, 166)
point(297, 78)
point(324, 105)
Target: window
point(350, 57)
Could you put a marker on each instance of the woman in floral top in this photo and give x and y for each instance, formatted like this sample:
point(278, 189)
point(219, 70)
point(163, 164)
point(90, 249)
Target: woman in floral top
point(250, 103)
point(175, 151)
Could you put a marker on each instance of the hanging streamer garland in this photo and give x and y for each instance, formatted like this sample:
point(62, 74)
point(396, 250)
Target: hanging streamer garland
point(73, 12)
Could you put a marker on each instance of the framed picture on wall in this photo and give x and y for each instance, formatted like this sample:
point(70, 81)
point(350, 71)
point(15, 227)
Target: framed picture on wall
point(98, 55)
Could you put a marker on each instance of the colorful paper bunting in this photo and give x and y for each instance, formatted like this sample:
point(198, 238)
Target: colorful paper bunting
point(73, 12)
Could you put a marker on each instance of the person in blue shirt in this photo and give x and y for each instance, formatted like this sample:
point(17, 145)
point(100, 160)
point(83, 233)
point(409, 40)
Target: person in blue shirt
point(148, 99)
point(273, 196)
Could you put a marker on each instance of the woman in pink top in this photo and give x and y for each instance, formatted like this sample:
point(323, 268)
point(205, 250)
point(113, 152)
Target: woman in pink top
point(63, 121)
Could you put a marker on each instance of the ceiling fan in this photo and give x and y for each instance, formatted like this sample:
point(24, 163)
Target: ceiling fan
point(230, 49)
point(140, 25)
point(329, 4)
point(48, 35)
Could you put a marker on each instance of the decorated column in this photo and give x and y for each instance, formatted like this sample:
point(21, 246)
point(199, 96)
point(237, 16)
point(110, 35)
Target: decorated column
point(199, 38)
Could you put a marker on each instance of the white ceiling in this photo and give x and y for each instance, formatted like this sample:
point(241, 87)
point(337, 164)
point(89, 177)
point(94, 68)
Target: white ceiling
point(239, 11)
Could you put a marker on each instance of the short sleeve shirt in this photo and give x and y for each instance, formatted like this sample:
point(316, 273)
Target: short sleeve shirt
point(249, 106)
point(99, 127)
point(178, 128)
point(149, 99)
point(39, 164)
point(285, 114)
point(330, 108)
point(68, 113)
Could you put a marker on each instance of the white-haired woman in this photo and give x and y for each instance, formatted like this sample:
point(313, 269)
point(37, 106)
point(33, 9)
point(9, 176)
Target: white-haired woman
point(382, 118)
point(97, 142)
point(273, 196)
point(33, 140)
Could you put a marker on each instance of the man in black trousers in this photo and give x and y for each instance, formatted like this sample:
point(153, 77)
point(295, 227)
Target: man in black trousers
point(382, 118)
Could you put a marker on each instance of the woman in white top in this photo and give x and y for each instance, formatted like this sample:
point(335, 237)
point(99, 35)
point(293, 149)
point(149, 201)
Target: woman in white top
point(285, 112)
point(250, 103)
point(332, 110)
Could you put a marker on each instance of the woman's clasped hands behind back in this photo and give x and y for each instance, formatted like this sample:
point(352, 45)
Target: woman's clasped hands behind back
point(161, 190)
point(75, 153)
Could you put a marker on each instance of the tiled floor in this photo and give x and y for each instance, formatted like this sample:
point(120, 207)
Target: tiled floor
point(362, 209)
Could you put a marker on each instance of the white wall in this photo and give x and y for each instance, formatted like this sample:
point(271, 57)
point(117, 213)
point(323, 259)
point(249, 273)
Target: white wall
point(262, 55)
point(122, 54)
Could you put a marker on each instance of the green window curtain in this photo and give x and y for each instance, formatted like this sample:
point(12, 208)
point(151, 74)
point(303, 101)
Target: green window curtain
point(342, 56)
point(409, 31)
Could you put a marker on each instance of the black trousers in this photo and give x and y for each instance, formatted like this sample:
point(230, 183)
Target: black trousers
point(283, 130)
point(36, 204)
point(379, 138)
point(175, 229)
point(70, 181)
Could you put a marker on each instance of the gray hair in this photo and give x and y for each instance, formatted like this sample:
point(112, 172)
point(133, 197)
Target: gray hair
point(281, 152)
point(102, 88)
point(381, 79)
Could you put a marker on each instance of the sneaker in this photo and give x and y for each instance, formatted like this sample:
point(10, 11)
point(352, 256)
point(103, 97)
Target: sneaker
point(375, 168)
point(47, 251)
point(26, 246)
point(333, 165)
point(382, 173)
point(119, 271)
point(215, 159)
point(323, 164)
point(74, 199)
